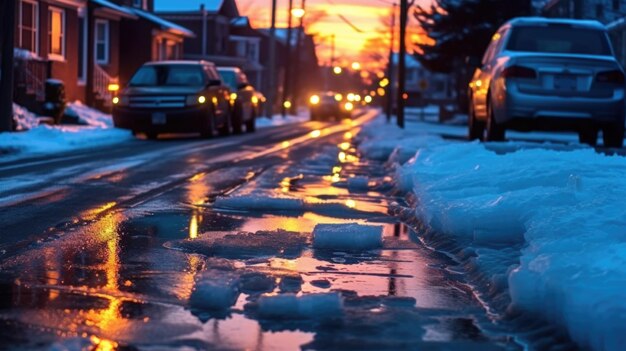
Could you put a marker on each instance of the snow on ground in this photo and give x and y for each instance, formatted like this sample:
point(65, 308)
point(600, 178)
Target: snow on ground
point(24, 119)
point(88, 116)
point(546, 225)
point(36, 140)
point(349, 236)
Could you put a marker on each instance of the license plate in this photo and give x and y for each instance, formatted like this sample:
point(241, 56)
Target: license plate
point(159, 118)
point(565, 82)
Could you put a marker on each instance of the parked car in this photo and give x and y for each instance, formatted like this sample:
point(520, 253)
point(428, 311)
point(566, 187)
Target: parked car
point(174, 97)
point(330, 105)
point(244, 99)
point(549, 74)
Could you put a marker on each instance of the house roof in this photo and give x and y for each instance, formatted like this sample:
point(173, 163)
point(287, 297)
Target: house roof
point(115, 9)
point(164, 24)
point(211, 6)
point(242, 21)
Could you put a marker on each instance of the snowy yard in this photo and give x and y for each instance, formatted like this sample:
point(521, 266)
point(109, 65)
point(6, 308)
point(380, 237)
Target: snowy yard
point(542, 228)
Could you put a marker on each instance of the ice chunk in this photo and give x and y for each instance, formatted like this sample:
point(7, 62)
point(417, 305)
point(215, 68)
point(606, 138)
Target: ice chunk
point(260, 203)
point(290, 306)
point(248, 245)
point(215, 290)
point(351, 236)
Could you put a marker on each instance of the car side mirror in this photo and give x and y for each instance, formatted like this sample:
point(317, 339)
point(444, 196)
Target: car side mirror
point(473, 61)
point(214, 82)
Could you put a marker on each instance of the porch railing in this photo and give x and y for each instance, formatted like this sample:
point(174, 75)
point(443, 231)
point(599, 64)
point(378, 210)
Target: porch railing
point(101, 82)
point(31, 74)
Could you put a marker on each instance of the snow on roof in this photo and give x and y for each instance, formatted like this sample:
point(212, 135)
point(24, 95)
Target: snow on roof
point(167, 25)
point(212, 6)
point(117, 8)
point(543, 20)
point(242, 21)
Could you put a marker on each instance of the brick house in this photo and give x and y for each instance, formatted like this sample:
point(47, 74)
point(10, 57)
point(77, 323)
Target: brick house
point(87, 44)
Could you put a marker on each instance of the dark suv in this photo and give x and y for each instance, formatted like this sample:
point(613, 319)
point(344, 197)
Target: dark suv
point(174, 97)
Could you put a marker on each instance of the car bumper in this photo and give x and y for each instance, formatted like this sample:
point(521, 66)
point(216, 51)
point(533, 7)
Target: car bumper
point(556, 112)
point(187, 120)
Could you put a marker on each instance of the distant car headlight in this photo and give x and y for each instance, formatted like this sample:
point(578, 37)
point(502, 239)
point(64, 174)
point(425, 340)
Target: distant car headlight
point(338, 97)
point(314, 100)
point(348, 106)
point(193, 100)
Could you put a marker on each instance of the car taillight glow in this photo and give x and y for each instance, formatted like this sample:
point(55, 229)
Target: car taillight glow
point(519, 72)
point(615, 77)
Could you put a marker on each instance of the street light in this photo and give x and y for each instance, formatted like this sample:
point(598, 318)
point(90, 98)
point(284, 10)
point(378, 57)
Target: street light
point(298, 12)
point(356, 66)
point(337, 70)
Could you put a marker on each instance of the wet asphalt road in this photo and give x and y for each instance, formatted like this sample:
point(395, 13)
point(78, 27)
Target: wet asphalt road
point(105, 253)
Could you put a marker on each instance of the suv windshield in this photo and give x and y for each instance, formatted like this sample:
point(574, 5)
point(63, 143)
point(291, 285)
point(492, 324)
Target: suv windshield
point(164, 75)
point(229, 78)
point(560, 39)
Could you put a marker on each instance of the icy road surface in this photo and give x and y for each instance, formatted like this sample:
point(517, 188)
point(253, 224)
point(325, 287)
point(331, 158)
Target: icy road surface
point(281, 244)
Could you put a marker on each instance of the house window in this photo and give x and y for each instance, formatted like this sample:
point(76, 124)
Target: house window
point(28, 26)
point(56, 32)
point(253, 52)
point(82, 48)
point(102, 41)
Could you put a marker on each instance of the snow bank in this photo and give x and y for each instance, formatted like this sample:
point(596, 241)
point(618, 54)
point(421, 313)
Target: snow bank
point(88, 116)
point(214, 291)
point(46, 139)
point(351, 236)
point(547, 226)
point(310, 306)
point(252, 202)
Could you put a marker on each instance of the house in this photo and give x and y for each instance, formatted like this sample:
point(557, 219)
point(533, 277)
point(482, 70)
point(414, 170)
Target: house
point(245, 44)
point(93, 46)
point(424, 86)
point(210, 20)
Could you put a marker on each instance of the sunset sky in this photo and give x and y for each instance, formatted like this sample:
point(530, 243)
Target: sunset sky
point(364, 14)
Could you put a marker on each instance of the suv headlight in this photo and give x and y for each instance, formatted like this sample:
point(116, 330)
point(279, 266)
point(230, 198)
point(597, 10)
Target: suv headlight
point(122, 100)
point(193, 100)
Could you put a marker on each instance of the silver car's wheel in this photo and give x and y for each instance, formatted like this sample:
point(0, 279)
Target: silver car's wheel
point(495, 132)
point(476, 128)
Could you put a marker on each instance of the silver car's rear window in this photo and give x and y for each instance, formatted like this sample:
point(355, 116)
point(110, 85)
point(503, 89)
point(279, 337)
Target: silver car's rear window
point(561, 39)
point(169, 75)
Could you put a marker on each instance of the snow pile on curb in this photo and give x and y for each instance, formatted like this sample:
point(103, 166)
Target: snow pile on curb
point(351, 236)
point(561, 215)
point(89, 116)
point(309, 306)
point(279, 120)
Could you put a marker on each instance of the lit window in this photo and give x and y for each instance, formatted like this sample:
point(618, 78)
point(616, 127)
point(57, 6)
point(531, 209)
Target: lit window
point(56, 31)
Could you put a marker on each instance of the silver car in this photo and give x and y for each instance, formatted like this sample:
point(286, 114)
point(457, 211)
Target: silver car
point(549, 74)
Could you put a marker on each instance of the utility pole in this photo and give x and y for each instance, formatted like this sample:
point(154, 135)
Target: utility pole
point(297, 71)
point(390, 69)
point(287, 78)
point(271, 80)
point(7, 42)
point(404, 9)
